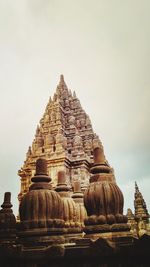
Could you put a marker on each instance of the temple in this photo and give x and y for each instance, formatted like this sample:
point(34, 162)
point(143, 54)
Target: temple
point(139, 221)
point(70, 205)
point(65, 138)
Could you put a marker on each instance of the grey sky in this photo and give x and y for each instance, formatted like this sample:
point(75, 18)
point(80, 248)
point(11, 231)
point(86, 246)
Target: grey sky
point(102, 48)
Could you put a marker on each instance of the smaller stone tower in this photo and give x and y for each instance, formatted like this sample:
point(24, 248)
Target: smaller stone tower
point(104, 201)
point(41, 215)
point(141, 212)
point(78, 199)
point(72, 225)
point(7, 221)
point(132, 222)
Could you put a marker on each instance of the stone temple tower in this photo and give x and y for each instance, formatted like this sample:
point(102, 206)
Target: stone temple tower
point(65, 138)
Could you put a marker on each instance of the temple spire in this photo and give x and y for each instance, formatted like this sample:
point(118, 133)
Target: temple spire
point(140, 205)
point(61, 78)
point(62, 83)
point(136, 188)
point(75, 140)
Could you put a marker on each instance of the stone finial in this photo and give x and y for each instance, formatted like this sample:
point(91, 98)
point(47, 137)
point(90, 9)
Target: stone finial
point(7, 204)
point(41, 167)
point(37, 130)
point(77, 193)
point(77, 186)
point(62, 78)
point(100, 165)
point(55, 96)
point(62, 187)
point(74, 94)
point(62, 90)
point(41, 173)
point(98, 154)
point(70, 93)
point(7, 220)
point(61, 177)
point(62, 83)
point(29, 152)
point(136, 188)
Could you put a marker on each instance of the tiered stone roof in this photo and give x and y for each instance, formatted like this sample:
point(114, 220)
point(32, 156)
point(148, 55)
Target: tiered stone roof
point(65, 138)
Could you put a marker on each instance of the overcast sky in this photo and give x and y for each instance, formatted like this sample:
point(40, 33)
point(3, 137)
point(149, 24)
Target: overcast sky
point(102, 48)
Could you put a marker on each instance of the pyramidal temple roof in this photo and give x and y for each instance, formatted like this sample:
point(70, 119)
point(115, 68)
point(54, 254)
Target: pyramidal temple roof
point(65, 119)
point(64, 137)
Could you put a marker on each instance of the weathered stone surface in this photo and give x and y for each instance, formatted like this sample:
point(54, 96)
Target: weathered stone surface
point(78, 199)
point(7, 220)
point(50, 232)
point(69, 210)
point(132, 223)
point(41, 213)
point(139, 222)
point(103, 199)
point(104, 204)
point(65, 138)
point(141, 211)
